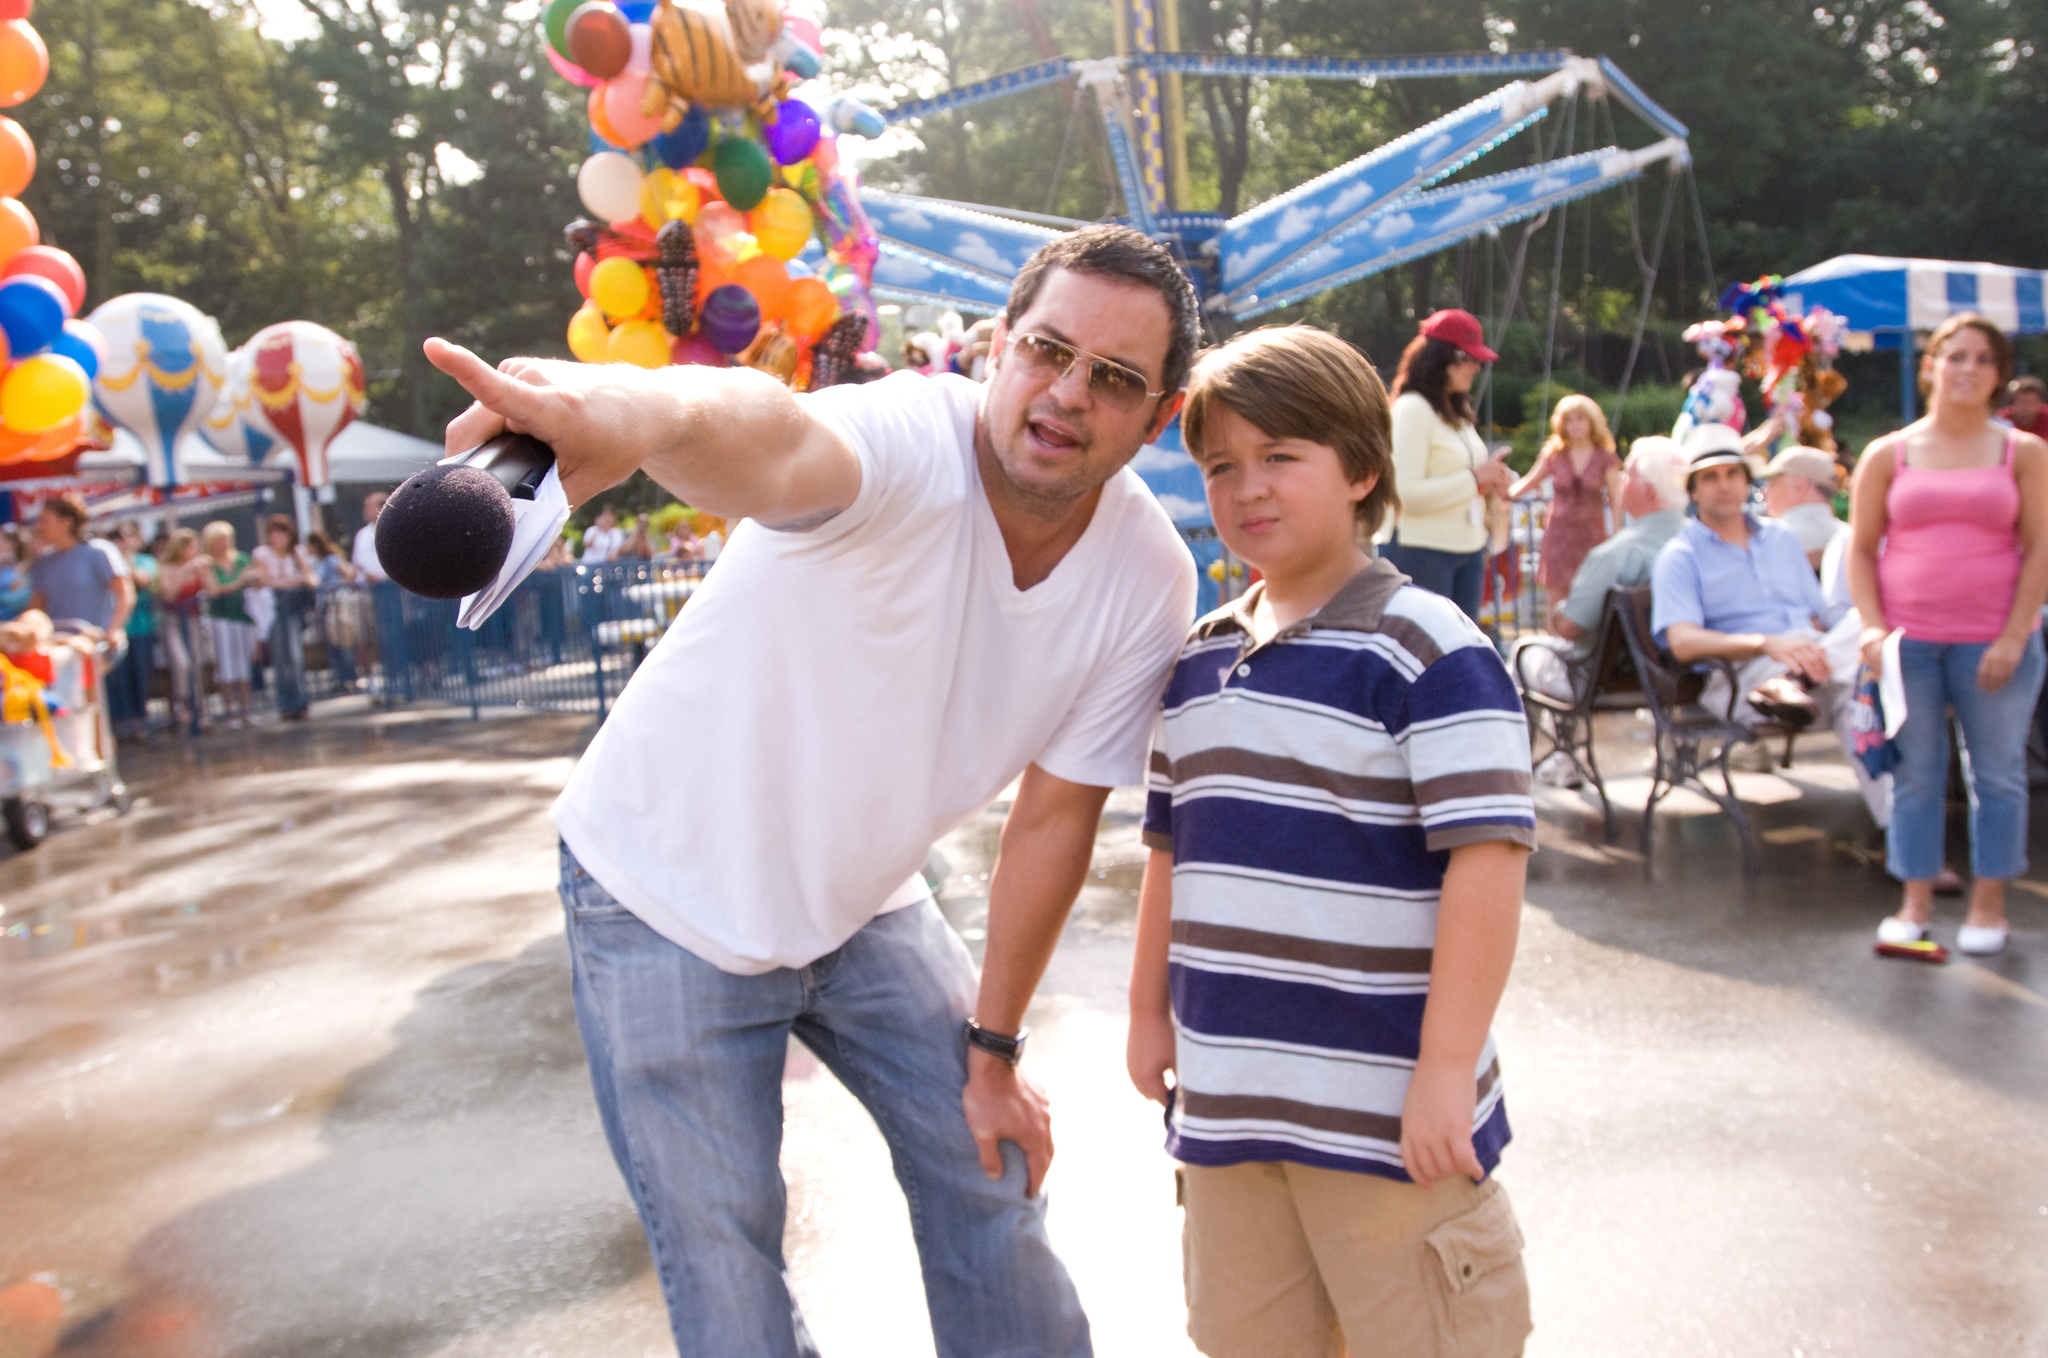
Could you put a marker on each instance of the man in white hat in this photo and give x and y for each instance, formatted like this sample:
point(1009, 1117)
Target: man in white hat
point(1799, 493)
point(1736, 587)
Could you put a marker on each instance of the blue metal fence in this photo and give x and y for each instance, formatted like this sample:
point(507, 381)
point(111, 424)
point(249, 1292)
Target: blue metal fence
point(566, 641)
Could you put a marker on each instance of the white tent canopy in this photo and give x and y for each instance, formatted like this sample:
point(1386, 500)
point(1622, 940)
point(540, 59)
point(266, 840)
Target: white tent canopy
point(361, 453)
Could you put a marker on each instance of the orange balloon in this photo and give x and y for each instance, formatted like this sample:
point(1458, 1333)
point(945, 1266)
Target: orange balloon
point(17, 229)
point(812, 309)
point(24, 62)
point(17, 158)
point(599, 123)
point(765, 277)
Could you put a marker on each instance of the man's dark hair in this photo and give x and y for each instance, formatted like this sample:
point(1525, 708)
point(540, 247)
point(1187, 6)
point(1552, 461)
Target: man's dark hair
point(1107, 251)
point(1424, 370)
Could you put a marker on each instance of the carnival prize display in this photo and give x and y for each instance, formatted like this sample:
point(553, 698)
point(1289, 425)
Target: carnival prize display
point(707, 181)
point(1790, 355)
point(49, 358)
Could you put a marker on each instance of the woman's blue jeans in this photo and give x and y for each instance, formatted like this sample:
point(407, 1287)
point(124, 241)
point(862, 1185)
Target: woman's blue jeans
point(687, 1063)
point(1458, 576)
point(1940, 677)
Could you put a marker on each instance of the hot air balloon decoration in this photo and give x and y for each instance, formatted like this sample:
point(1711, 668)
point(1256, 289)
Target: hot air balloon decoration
point(307, 384)
point(165, 366)
point(229, 428)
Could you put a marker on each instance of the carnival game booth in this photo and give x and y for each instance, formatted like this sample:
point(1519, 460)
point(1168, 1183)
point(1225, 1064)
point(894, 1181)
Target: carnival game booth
point(1892, 300)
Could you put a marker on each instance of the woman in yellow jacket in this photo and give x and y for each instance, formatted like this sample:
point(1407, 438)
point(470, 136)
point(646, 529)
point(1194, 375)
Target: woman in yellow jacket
point(1441, 471)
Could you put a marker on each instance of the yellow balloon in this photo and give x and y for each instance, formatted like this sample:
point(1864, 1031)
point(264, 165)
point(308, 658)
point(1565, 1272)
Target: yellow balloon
point(684, 202)
point(642, 343)
point(781, 223)
point(619, 287)
point(589, 336)
point(41, 393)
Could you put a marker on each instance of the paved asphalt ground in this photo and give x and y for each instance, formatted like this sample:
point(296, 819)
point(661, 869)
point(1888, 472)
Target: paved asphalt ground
point(288, 1068)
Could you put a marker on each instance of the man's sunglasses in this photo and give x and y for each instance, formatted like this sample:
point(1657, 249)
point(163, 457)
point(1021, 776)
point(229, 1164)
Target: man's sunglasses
point(1112, 383)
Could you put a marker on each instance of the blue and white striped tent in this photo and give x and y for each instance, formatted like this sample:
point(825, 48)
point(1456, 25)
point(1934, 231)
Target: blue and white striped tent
point(1893, 299)
point(1889, 296)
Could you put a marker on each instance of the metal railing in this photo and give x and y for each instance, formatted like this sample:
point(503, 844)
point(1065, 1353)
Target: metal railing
point(567, 641)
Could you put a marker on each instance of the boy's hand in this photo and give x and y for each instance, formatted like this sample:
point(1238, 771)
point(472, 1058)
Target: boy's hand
point(1436, 1123)
point(1148, 1053)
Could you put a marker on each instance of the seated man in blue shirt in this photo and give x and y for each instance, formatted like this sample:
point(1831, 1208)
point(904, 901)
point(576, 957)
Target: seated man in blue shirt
point(1736, 587)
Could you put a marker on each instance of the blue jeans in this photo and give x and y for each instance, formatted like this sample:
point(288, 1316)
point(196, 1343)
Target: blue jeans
point(1939, 677)
point(128, 682)
point(1458, 576)
point(288, 648)
point(687, 1063)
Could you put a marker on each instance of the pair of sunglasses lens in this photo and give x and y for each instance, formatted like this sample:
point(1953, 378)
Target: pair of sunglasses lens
point(1112, 383)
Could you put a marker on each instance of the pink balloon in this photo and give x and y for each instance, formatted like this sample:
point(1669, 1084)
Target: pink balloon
point(571, 72)
point(622, 97)
point(804, 31)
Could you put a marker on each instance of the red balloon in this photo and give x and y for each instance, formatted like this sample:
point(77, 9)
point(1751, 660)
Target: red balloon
point(599, 39)
point(47, 261)
point(584, 265)
point(15, 9)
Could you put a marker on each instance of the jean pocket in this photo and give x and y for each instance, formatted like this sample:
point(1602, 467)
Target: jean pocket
point(1485, 1308)
point(584, 898)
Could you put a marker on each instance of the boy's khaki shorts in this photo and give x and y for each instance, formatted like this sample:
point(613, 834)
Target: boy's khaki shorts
point(1287, 1261)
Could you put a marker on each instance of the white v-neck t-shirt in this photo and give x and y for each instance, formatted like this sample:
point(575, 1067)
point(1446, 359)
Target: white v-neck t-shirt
point(832, 702)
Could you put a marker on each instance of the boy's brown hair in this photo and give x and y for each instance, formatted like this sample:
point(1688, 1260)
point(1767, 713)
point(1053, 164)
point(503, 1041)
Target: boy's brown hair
point(1297, 382)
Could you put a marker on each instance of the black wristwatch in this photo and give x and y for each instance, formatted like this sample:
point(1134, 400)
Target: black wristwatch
point(1011, 1049)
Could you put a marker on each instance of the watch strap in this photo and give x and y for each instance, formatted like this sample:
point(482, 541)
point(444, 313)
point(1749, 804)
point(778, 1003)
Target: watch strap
point(1009, 1047)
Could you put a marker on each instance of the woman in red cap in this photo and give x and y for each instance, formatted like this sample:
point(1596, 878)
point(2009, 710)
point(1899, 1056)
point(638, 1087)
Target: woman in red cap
point(1441, 470)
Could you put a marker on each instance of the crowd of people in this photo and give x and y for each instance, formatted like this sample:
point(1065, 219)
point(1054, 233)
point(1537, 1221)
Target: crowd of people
point(190, 618)
point(1939, 574)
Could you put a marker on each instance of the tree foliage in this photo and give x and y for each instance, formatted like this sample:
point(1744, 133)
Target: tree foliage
point(399, 168)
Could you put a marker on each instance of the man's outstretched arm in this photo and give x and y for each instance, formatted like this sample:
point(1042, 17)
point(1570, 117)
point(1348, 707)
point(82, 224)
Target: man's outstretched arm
point(731, 441)
point(1047, 842)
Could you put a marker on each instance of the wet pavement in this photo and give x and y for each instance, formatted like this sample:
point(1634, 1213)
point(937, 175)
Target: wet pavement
point(288, 1068)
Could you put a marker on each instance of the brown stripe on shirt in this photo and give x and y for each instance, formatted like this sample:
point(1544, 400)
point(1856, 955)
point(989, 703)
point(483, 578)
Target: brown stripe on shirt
point(1224, 761)
point(1292, 948)
point(1413, 639)
point(1267, 1108)
point(1473, 783)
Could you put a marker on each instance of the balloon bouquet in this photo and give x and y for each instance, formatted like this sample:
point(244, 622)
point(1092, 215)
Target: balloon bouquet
point(707, 182)
point(1791, 355)
point(49, 358)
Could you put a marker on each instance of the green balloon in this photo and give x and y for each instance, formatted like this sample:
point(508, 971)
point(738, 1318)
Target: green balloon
point(744, 172)
point(556, 24)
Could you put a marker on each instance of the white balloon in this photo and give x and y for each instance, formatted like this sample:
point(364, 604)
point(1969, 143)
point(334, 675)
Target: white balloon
point(164, 369)
point(228, 427)
point(642, 59)
point(609, 184)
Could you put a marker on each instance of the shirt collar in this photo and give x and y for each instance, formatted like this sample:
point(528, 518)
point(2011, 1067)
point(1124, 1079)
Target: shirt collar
point(1360, 606)
point(1700, 531)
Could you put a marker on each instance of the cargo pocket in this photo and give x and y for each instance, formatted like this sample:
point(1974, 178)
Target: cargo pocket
point(1485, 1311)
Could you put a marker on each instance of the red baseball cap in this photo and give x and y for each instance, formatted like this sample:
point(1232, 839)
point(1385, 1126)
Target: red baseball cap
point(1462, 329)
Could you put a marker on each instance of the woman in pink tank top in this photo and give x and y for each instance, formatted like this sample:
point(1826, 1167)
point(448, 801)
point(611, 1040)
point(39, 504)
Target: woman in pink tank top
point(1950, 546)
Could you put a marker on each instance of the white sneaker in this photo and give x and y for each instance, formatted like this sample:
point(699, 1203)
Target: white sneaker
point(1892, 929)
point(1979, 940)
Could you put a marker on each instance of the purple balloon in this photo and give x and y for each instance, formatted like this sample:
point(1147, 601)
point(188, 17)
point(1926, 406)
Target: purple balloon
point(730, 318)
point(793, 134)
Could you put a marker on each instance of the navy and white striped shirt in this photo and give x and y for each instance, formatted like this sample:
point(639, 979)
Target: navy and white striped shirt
point(1311, 790)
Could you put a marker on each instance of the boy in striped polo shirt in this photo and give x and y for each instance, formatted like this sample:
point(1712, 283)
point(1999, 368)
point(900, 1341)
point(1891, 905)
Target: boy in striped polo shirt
point(1339, 820)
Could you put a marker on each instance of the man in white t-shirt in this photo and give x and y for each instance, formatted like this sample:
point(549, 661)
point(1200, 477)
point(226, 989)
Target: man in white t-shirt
point(364, 554)
point(937, 587)
point(603, 541)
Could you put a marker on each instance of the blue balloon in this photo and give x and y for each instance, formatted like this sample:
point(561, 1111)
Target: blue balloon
point(682, 146)
point(598, 143)
point(31, 314)
point(75, 347)
point(637, 11)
